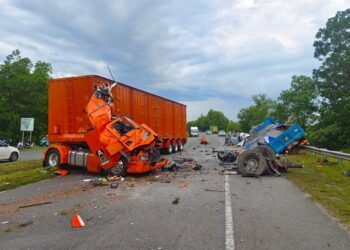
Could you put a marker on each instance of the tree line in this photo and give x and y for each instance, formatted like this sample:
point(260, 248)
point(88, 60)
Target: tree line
point(23, 94)
point(320, 102)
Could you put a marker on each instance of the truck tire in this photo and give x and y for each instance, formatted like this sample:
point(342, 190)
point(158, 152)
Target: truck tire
point(14, 156)
point(169, 150)
point(175, 147)
point(266, 151)
point(270, 154)
point(181, 146)
point(251, 163)
point(53, 158)
point(121, 169)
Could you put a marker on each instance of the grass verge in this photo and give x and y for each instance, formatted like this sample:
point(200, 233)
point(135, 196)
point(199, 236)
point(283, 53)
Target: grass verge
point(15, 174)
point(323, 179)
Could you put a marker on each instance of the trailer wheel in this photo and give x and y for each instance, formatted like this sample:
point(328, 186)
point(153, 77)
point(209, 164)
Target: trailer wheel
point(181, 146)
point(169, 150)
point(176, 147)
point(121, 169)
point(251, 163)
point(53, 158)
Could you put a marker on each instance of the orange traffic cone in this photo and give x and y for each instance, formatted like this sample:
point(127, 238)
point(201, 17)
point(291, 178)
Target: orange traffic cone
point(77, 221)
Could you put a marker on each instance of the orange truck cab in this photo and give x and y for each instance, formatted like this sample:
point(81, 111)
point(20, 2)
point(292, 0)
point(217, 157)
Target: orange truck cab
point(86, 133)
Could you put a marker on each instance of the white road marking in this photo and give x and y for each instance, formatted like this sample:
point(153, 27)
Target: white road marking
point(230, 239)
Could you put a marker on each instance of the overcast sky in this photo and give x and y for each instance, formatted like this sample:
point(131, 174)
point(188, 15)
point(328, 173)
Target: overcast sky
point(203, 53)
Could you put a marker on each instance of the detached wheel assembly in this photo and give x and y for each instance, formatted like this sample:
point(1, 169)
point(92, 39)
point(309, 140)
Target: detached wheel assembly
point(270, 158)
point(121, 168)
point(251, 163)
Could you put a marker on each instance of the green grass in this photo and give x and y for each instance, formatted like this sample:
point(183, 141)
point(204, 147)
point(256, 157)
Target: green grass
point(15, 174)
point(325, 182)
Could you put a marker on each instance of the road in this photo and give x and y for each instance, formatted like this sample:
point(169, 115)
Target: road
point(214, 211)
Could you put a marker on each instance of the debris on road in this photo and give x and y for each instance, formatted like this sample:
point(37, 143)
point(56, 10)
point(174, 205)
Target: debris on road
point(213, 190)
point(183, 185)
point(99, 181)
point(183, 164)
point(62, 172)
point(36, 204)
point(227, 156)
point(176, 201)
point(204, 141)
point(114, 185)
point(77, 221)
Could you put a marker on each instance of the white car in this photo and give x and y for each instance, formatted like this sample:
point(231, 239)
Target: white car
point(8, 152)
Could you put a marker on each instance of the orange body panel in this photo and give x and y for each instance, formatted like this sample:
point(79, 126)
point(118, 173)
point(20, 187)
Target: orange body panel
point(68, 121)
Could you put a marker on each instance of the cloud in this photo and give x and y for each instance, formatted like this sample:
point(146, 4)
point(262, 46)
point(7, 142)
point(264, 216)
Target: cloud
point(204, 53)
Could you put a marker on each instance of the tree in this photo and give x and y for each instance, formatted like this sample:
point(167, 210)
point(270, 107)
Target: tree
point(298, 103)
point(332, 48)
point(255, 114)
point(212, 118)
point(23, 94)
point(233, 126)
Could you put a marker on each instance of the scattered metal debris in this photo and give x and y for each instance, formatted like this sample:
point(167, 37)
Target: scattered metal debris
point(176, 201)
point(183, 164)
point(36, 204)
point(227, 156)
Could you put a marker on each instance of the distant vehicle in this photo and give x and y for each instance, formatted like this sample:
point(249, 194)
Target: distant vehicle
point(214, 129)
point(208, 132)
point(194, 132)
point(26, 144)
point(8, 152)
point(222, 133)
point(44, 142)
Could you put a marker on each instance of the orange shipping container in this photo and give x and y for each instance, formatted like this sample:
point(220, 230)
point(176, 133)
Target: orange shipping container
point(68, 121)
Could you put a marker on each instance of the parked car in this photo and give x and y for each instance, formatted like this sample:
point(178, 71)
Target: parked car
point(222, 133)
point(8, 152)
point(44, 142)
point(26, 144)
point(208, 132)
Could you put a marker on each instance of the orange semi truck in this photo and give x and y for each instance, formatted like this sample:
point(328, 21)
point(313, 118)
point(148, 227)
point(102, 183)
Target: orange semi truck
point(100, 124)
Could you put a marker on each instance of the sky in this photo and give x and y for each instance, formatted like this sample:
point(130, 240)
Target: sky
point(207, 54)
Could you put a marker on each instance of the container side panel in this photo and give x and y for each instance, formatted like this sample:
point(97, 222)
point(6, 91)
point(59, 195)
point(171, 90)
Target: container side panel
point(66, 111)
point(122, 100)
point(169, 119)
point(160, 116)
point(140, 106)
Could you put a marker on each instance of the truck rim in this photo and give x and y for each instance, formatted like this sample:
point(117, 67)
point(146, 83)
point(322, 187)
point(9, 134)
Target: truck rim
point(53, 159)
point(118, 169)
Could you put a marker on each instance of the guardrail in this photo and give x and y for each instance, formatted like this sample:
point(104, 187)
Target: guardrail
point(321, 151)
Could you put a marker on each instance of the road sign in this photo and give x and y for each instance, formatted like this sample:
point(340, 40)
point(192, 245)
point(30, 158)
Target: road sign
point(27, 124)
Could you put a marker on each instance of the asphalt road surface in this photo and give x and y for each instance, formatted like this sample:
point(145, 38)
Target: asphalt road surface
point(214, 211)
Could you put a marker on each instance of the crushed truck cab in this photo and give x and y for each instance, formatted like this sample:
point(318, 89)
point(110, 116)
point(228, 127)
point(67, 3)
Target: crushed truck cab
point(116, 144)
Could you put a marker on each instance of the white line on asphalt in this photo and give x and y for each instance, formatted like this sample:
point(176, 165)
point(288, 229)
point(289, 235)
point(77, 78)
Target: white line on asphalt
point(230, 239)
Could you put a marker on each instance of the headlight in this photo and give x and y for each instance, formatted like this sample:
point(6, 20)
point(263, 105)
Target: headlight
point(144, 157)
